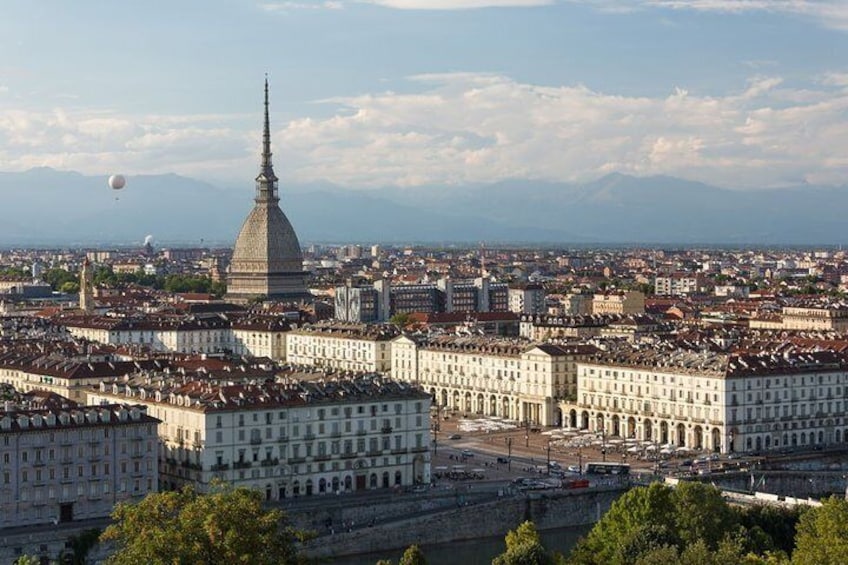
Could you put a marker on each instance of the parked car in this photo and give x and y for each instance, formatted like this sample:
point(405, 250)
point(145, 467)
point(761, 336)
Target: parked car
point(503, 460)
point(455, 436)
point(467, 453)
point(573, 469)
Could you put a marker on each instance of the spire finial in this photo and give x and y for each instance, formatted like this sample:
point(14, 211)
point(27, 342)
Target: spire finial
point(266, 133)
point(266, 181)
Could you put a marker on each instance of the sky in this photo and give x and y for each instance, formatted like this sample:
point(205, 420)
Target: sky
point(742, 94)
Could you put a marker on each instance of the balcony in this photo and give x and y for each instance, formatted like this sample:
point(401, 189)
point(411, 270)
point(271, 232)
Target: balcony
point(374, 452)
point(190, 465)
point(421, 449)
point(220, 467)
point(386, 430)
point(348, 455)
point(325, 457)
point(255, 441)
point(308, 437)
point(283, 439)
point(361, 432)
point(241, 465)
point(296, 460)
point(401, 451)
point(270, 462)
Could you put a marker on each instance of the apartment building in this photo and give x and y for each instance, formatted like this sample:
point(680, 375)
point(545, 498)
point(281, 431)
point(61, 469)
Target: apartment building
point(512, 379)
point(293, 438)
point(74, 463)
point(340, 345)
point(678, 284)
point(715, 402)
point(541, 327)
point(66, 376)
point(527, 299)
point(253, 335)
point(622, 303)
point(378, 303)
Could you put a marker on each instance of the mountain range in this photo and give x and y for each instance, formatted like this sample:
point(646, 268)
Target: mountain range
point(48, 207)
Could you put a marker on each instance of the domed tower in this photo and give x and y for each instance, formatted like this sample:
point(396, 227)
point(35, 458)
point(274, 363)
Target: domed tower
point(267, 260)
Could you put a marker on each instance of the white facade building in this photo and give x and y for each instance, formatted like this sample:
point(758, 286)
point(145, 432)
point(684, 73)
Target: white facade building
point(253, 335)
point(507, 378)
point(345, 346)
point(715, 402)
point(527, 299)
point(286, 439)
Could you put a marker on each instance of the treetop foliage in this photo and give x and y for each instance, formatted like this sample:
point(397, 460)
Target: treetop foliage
point(228, 525)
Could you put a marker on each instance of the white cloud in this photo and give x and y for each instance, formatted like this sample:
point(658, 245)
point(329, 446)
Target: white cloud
point(286, 6)
point(458, 4)
point(481, 128)
point(835, 79)
point(95, 142)
point(829, 13)
point(290, 5)
point(466, 127)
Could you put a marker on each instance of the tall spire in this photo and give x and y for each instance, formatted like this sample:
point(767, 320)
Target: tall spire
point(266, 181)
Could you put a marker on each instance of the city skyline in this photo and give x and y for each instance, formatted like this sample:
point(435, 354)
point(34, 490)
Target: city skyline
point(738, 94)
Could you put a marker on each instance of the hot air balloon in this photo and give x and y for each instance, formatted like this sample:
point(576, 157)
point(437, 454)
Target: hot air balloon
point(117, 182)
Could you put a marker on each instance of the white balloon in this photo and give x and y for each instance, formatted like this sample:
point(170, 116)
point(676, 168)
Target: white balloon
point(117, 182)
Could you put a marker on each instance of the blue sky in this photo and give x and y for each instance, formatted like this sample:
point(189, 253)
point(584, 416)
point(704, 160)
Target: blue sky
point(738, 93)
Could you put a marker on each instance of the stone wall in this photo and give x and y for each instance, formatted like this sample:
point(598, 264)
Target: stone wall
point(548, 509)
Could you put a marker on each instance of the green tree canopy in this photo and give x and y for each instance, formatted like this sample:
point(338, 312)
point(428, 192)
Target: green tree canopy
point(647, 521)
point(69, 287)
point(523, 547)
point(227, 526)
point(822, 537)
point(412, 556)
point(400, 319)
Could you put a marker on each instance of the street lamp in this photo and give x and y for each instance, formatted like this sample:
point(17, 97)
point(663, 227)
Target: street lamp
point(549, 456)
point(509, 454)
point(604, 443)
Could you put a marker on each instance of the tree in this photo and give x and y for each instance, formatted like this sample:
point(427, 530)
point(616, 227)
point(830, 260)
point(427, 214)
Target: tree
point(523, 547)
point(770, 527)
point(228, 525)
point(413, 556)
point(80, 545)
point(822, 537)
point(628, 517)
point(69, 287)
point(401, 319)
point(702, 514)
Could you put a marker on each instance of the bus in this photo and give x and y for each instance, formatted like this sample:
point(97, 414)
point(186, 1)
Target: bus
point(607, 469)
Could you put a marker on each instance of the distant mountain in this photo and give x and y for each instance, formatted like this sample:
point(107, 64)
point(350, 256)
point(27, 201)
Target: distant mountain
point(624, 209)
point(48, 207)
